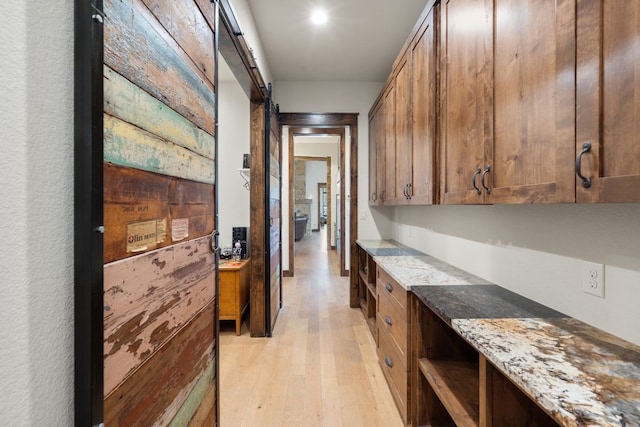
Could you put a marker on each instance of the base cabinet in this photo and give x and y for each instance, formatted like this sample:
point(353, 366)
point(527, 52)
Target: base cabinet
point(393, 339)
point(454, 385)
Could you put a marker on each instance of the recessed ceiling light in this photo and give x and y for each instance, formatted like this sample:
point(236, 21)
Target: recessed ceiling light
point(319, 17)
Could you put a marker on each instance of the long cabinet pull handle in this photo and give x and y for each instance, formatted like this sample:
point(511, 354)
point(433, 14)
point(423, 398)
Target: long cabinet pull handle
point(388, 362)
point(586, 182)
point(473, 180)
point(484, 174)
point(388, 287)
point(388, 320)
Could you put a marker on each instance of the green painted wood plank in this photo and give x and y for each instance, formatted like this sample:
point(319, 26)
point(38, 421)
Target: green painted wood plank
point(128, 102)
point(140, 49)
point(195, 398)
point(128, 145)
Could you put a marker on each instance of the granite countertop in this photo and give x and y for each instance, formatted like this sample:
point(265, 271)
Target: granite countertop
point(387, 248)
point(415, 271)
point(579, 374)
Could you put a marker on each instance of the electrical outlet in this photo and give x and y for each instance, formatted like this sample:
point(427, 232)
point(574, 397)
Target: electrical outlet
point(593, 278)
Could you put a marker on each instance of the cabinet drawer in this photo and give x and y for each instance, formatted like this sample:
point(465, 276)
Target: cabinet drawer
point(392, 319)
point(394, 369)
point(386, 285)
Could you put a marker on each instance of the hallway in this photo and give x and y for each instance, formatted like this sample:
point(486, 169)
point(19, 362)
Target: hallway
point(320, 368)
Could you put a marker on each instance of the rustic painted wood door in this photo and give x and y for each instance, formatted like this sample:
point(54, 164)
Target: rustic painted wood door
point(274, 295)
point(159, 209)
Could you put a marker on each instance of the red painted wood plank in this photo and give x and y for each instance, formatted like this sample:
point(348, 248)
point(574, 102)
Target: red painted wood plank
point(148, 298)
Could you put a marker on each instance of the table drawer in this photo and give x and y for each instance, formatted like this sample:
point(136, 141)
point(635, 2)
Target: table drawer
point(387, 285)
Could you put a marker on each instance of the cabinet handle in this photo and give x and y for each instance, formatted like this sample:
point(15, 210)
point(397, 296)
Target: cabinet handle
point(374, 197)
point(388, 320)
point(406, 194)
point(473, 180)
point(388, 362)
point(388, 287)
point(486, 171)
point(410, 190)
point(586, 182)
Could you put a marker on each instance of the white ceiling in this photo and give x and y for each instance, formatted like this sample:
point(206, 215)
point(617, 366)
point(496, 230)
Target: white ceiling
point(359, 42)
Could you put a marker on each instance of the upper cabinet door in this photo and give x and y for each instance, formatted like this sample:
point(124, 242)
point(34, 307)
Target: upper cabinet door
point(608, 98)
point(403, 132)
point(423, 67)
point(466, 98)
point(534, 102)
point(373, 136)
point(388, 194)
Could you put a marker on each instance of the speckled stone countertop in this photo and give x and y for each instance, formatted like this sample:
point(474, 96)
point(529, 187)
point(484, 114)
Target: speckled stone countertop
point(579, 374)
point(387, 248)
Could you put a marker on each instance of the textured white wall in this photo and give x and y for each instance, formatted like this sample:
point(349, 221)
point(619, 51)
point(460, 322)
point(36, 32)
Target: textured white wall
point(234, 141)
point(536, 250)
point(36, 213)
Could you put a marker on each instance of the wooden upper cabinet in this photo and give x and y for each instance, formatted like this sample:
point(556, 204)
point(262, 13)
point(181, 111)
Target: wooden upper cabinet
point(466, 98)
point(373, 196)
point(508, 101)
point(403, 134)
point(388, 194)
point(532, 156)
point(608, 99)
point(423, 101)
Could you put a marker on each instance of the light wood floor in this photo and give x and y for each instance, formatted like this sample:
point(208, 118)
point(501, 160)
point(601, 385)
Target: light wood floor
point(320, 367)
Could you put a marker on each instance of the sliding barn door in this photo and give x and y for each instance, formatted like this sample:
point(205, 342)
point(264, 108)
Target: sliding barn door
point(159, 213)
point(266, 222)
point(274, 202)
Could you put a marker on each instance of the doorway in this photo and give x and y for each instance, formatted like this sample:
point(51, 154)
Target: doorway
point(345, 125)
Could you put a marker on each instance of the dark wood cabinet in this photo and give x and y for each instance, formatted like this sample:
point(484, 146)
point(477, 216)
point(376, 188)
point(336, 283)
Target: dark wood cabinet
point(403, 129)
point(608, 101)
point(406, 134)
point(388, 192)
point(507, 97)
point(423, 110)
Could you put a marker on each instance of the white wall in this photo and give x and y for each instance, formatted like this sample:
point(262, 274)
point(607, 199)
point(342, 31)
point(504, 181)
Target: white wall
point(247, 25)
point(233, 141)
point(342, 97)
point(36, 213)
point(536, 250)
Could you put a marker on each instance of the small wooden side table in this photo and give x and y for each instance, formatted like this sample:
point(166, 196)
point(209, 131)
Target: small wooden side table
point(234, 291)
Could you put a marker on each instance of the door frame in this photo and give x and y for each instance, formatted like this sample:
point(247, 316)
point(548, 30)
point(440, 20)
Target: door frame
point(333, 120)
point(322, 185)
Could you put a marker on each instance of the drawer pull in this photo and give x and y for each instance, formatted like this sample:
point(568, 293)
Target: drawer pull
point(389, 287)
point(388, 362)
point(388, 320)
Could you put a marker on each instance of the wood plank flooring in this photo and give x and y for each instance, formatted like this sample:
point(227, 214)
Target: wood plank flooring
point(320, 367)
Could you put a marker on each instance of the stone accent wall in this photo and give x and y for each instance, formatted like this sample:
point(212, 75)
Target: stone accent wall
point(302, 205)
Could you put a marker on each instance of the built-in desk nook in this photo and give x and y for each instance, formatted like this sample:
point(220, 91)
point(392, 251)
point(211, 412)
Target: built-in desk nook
point(470, 353)
point(234, 290)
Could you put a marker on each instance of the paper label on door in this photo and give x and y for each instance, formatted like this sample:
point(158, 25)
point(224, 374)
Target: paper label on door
point(179, 229)
point(143, 235)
